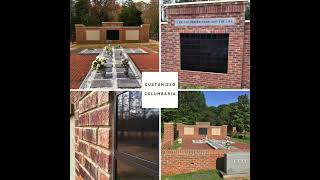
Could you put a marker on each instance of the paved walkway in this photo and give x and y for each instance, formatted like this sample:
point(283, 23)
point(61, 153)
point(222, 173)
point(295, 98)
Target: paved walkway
point(81, 64)
point(79, 67)
point(146, 62)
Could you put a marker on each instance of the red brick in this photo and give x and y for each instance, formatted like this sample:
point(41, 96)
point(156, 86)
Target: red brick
point(103, 97)
point(100, 116)
point(78, 132)
point(94, 154)
point(105, 161)
point(83, 120)
point(88, 102)
point(101, 158)
point(91, 168)
point(104, 137)
point(83, 174)
point(83, 147)
point(79, 157)
point(90, 134)
point(103, 175)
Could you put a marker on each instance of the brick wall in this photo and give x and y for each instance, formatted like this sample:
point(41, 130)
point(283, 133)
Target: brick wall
point(246, 57)
point(187, 160)
point(196, 135)
point(170, 42)
point(93, 131)
point(81, 32)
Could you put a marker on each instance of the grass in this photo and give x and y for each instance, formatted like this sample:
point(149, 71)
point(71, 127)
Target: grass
point(198, 175)
point(245, 140)
point(192, 86)
point(175, 145)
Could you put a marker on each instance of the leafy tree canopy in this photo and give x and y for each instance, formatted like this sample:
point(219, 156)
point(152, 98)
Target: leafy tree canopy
point(130, 15)
point(193, 108)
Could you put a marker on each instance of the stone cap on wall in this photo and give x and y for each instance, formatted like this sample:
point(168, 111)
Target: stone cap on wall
point(112, 23)
point(168, 123)
point(203, 123)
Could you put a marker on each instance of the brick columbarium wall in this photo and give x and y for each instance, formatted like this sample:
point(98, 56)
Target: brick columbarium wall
point(192, 131)
point(189, 160)
point(168, 135)
point(238, 66)
point(93, 131)
point(99, 33)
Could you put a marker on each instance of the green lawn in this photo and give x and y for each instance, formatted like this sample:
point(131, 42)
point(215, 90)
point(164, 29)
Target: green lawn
point(245, 140)
point(198, 175)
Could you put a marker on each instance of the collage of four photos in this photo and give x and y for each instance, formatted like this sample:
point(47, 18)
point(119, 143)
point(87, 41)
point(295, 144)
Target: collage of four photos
point(112, 43)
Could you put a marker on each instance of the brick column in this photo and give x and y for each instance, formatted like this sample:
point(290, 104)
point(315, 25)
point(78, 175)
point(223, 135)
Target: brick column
point(168, 133)
point(144, 32)
point(80, 33)
point(224, 130)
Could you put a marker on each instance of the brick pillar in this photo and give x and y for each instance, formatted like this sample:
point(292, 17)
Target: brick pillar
point(144, 32)
point(80, 33)
point(168, 133)
point(224, 130)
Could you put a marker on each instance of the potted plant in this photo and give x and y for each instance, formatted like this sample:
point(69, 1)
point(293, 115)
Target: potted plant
point(98, 64)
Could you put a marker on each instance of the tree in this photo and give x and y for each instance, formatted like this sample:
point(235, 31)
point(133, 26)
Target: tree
point(224, 115)
point(81, 11)
point(240, 114)
point(150, 15)
point(247, 13)
point(191, 108)
point(130, 15)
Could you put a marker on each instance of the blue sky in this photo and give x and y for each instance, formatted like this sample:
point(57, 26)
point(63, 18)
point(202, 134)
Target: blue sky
point(216, 98)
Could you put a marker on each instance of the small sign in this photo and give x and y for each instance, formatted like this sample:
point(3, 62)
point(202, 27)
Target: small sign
point(159, 90)
point(205, 22)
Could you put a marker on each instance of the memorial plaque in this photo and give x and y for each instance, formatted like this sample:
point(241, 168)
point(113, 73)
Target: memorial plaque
point(122, 75)
point(237, 163)
point(215, 131)
point(128, 83)
point(205, 22)
point(188, 130)
point(101, 84)
point(121, 69)
point(101, 76)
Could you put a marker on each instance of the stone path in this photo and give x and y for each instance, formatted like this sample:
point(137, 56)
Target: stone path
point(114, 76)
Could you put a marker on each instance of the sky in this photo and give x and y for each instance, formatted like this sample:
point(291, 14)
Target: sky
point(216, 98)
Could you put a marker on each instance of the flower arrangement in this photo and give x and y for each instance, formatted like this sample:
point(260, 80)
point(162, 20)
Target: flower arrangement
point(98, 62)
point(107, 48)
